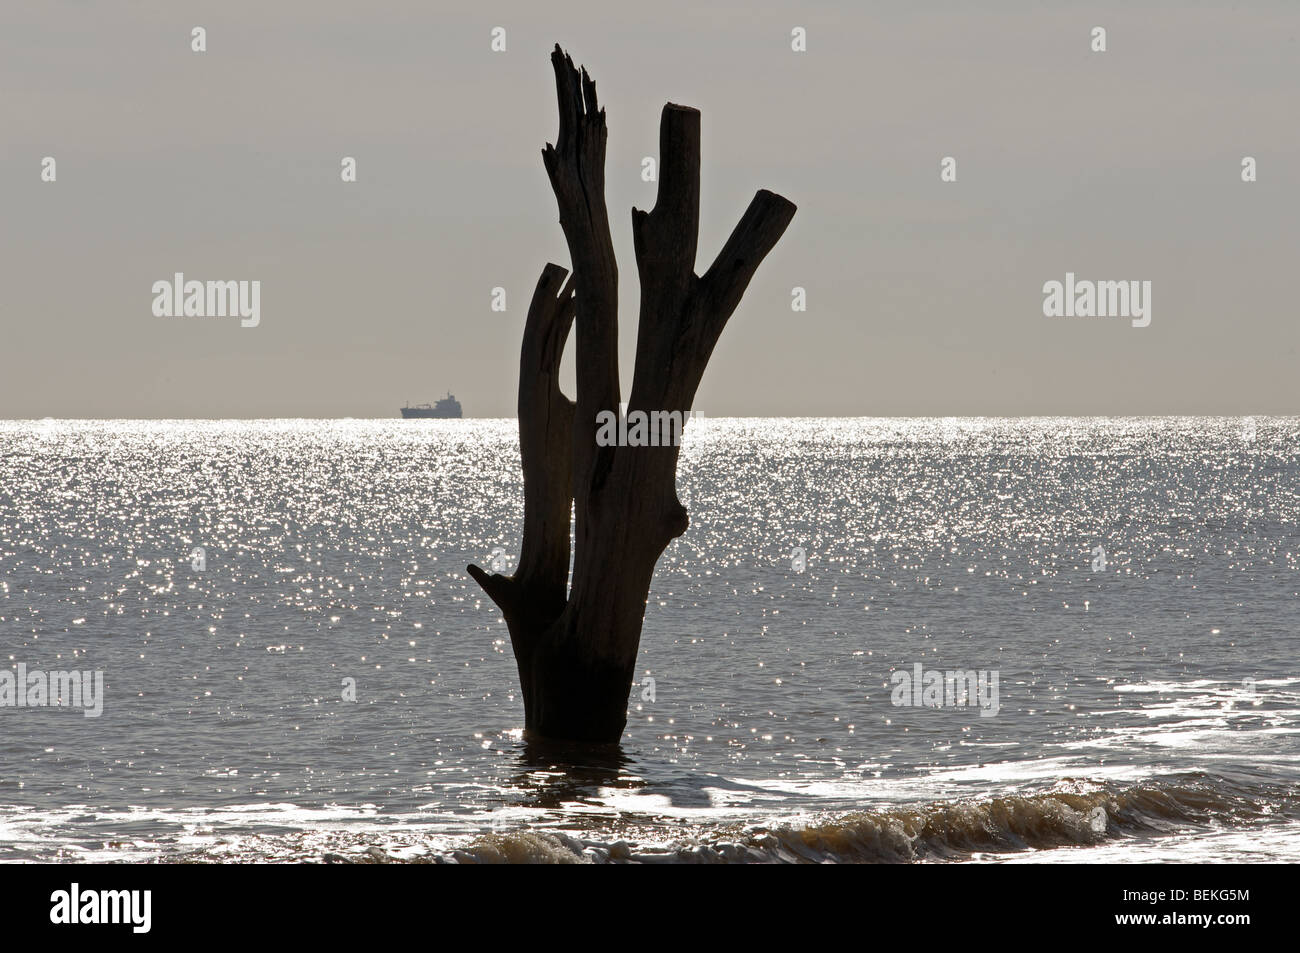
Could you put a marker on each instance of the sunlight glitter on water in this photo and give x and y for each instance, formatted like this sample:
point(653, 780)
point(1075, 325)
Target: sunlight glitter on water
point(337, 550)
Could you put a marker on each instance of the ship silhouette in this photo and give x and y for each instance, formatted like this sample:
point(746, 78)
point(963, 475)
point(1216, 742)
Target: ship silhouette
point(448, 406)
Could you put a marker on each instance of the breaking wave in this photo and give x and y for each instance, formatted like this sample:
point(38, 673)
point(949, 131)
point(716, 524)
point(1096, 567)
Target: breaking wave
point(940, 832)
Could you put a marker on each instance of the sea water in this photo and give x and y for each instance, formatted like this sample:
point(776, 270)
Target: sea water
point(296, 665)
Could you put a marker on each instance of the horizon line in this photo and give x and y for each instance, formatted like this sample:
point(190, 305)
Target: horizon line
point(703, 416)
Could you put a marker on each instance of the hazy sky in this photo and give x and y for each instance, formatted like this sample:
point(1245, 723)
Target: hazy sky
point(924, 297)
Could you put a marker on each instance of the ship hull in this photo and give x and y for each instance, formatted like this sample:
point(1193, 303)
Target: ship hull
point(409, 412)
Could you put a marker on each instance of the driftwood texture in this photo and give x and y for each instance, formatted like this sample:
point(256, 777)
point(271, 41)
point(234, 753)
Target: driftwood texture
point(576, 647)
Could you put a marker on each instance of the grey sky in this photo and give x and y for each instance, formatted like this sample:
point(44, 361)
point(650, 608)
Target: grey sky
point(923, 297)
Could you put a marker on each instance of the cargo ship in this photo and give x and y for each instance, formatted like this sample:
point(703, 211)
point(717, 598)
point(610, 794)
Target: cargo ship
point(448, 406)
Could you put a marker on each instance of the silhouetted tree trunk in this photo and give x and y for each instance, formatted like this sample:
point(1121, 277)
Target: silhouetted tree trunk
point(577, 650)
